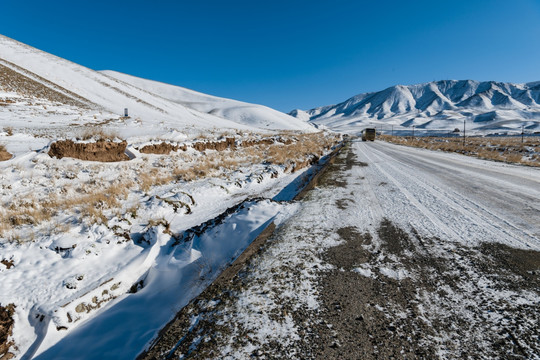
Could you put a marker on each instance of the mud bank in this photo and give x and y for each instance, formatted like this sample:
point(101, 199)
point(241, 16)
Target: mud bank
point(6, 329)
point(101, 150)
point(161, 148)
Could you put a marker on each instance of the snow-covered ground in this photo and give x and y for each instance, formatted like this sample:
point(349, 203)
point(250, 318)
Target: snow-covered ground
point(78, 263)
point(45, 98)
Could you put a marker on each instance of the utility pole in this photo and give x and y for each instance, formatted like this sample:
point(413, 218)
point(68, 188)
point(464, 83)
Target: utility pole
point(413, 132)
point(463, 133)
point(392, 130)
point(522, 133)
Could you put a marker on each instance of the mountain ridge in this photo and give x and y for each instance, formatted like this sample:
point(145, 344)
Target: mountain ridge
point(493, 104)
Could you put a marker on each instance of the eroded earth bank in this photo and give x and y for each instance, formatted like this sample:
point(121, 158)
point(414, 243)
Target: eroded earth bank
point(387, 257)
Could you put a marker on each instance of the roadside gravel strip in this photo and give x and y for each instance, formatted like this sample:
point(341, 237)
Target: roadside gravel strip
point(389, 256)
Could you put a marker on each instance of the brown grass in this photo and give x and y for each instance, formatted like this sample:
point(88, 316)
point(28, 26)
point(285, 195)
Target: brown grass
point(96, 202)
point(292, 151)
point(97, 133)
point(91, 207)
point(154, 177)
point(4, 154)
point(505, 149)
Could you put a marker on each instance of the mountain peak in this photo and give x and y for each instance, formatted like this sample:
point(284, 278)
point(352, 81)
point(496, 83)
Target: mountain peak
point(437, 104)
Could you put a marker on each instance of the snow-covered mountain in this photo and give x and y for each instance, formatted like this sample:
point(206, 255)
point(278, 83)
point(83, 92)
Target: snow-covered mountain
point(438, 105)
point(33, 74)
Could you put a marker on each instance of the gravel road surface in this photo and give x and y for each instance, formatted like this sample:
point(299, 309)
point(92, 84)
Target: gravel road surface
point(396, 253)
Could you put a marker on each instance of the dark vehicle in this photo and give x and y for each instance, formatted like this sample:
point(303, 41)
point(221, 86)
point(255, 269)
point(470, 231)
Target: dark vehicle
point(368, 134)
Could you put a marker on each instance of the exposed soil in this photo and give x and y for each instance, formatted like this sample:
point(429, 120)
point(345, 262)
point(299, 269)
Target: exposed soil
point(342, 163)
point(228, 143)
point(4, 154)
point(7, 263)
point(362, 315)
point(266, 141)
point(255, 142)
point(6, 329)
point(440, 308)
point(6, 102)
point(310, 160)
point(101, 150)
point(22, 82)
point(161, 148)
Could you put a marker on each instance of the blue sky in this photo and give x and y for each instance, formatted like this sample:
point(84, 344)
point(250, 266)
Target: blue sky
point(287, 54)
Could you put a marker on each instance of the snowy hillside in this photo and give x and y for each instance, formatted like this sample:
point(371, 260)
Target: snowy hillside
point(245, 113)
point(79, 86)
point(440, 105)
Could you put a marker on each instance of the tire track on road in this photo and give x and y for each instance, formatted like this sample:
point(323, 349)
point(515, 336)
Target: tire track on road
point(412, 199)
point(467, 216)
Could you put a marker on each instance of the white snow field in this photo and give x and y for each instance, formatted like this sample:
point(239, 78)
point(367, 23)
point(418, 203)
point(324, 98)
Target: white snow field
point(67, 271)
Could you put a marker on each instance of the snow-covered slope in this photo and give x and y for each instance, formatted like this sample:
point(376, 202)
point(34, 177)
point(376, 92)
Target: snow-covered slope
point(100, 92)
point(440, 105)
point(245, 113)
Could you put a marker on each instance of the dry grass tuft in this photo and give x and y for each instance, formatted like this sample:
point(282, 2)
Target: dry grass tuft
point(97, 133)
point(4, 154)
point(91, 207)
point(154, 177)
point(506, 149)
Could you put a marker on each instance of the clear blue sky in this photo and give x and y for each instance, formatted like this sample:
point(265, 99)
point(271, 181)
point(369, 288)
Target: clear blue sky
point(287, 54)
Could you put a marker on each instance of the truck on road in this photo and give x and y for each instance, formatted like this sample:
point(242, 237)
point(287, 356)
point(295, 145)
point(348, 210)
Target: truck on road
point(368, 134)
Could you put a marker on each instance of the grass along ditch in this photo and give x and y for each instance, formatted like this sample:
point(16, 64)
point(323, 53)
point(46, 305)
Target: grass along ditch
point(93, 193)
point(201, 327)
point(504, 149)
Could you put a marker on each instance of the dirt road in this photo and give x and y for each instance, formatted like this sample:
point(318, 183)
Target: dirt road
point(397, 253)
